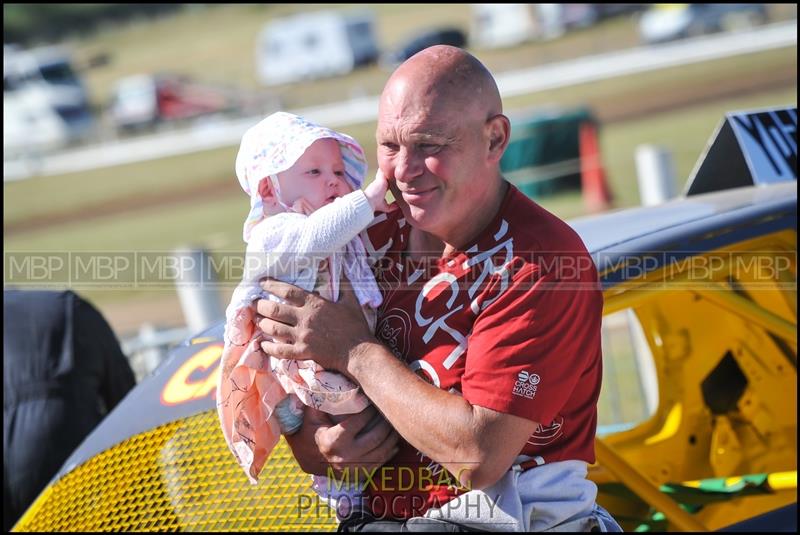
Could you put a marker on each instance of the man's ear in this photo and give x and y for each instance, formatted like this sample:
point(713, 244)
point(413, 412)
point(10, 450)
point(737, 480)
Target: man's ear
point(499, 131)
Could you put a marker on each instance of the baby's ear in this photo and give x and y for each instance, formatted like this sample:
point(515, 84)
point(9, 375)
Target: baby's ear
point(265, 188)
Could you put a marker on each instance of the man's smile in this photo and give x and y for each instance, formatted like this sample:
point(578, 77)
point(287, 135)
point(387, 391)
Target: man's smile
point(417, 194)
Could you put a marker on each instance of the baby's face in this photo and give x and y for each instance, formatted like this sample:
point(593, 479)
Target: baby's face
point(318, 175)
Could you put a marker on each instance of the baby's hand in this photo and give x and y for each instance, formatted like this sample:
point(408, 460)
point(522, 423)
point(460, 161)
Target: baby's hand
point(302, 206)
point(376, 193)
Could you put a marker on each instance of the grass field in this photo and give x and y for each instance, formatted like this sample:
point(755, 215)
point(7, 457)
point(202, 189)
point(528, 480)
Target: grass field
point(223, 42)
point(614, 99)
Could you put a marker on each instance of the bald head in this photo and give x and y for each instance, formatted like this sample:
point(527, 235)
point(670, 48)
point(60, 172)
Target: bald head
point(441, 134)
point(446, 76)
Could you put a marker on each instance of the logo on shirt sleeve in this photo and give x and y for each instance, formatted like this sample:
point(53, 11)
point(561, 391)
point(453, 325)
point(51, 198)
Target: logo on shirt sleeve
point(526, 384)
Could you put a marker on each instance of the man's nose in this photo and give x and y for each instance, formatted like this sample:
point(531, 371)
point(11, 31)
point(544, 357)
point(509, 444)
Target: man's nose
point(408, 166)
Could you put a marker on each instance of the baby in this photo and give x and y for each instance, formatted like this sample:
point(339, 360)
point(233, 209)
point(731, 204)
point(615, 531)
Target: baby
point(307, 179)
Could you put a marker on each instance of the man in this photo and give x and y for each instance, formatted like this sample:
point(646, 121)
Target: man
point(487, 358)
point(63, 370)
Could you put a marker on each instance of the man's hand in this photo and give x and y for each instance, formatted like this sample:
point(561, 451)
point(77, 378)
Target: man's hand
point(363, 441)
point(306, 326)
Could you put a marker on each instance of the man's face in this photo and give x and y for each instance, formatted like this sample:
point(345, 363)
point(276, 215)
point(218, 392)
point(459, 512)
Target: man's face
point(318, 175)
point(434, 158)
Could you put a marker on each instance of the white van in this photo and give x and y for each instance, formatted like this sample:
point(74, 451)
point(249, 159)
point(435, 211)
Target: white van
point(45, 105)
point(315, 45)
point(502, 25)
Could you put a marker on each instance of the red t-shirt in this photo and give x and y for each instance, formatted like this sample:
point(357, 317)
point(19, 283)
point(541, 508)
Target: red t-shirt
point(511, 323)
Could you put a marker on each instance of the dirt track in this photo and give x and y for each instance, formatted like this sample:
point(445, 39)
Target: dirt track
point(629, 107)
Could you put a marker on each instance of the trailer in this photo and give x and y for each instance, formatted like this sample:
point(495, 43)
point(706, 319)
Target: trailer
point(315, 45)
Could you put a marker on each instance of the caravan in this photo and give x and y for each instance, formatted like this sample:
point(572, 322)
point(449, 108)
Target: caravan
point(45, 105)
point(315, 45)
point(502, 25)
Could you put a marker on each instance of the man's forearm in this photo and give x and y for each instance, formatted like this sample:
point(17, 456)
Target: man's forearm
point(441, 425)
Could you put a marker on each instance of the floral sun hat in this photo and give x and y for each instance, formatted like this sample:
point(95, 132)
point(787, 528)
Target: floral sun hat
point(275, 144)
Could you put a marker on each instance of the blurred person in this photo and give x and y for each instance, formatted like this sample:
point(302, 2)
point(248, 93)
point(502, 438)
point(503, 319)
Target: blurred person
point(306, 212)
point(487, 356)
point(63, 371)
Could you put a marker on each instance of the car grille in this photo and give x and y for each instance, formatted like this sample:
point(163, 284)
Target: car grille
point(176, 477)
